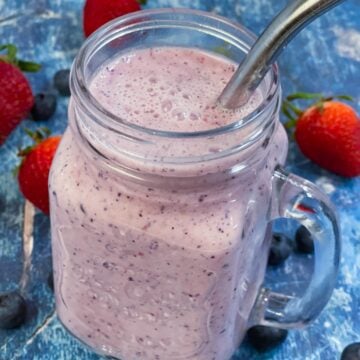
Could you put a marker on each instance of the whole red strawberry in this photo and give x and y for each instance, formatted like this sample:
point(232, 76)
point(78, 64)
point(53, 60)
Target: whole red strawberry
point(328, 133)
point(34, 170)
point(16, 98)
point(99, 12)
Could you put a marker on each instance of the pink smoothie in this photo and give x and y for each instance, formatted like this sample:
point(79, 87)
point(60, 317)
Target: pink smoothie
point(160, 272)
point(168, 89)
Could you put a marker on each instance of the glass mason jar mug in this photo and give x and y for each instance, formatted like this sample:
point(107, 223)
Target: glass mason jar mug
point(161, 238)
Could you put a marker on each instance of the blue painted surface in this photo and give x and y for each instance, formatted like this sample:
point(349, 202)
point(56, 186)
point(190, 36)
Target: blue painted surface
point(324, 57)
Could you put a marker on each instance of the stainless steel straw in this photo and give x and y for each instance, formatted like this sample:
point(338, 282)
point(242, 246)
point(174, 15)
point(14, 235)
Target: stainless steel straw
point(291, 20)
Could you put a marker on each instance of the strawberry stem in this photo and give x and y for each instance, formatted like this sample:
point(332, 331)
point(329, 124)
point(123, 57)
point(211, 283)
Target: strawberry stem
point(11, 52)
point(11, 58)
point(28, 66)
point(304, 96)
point(286, 112)
point(345, 97)
point(330, 98)
point(38, 135)
point(291, 112)
point(25, 151)
point(293, 108)
point(316, 96)
point(142, 2)
point(290, 124)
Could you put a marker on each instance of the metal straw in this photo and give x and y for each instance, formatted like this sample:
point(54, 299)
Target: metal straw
point(291, 20)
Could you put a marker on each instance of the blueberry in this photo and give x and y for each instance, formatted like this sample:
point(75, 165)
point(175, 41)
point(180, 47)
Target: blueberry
point(44, 106)
point(304, 240)
point(12, 310)
point(351, 352)
point(62, 82)
point(280, 249)
point(264, 338)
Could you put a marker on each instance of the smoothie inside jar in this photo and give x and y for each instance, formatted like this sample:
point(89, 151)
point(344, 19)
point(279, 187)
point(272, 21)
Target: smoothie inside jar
point(169, 89)
point(159, 252)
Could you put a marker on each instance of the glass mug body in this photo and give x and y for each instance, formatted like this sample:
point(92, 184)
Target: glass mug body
point(160, 253)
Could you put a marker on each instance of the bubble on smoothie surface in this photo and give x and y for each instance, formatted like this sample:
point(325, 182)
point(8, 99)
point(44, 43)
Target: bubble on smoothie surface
point(157, 88)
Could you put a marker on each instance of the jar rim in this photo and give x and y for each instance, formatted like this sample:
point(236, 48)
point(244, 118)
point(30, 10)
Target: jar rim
point(110, 121)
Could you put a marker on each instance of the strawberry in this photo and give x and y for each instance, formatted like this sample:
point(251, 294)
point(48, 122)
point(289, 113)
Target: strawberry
point(328, 133)
point(99, 12)
point(16, 98)
point(33, 172)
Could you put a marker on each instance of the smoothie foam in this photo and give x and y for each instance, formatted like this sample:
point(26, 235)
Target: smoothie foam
point(172, 89)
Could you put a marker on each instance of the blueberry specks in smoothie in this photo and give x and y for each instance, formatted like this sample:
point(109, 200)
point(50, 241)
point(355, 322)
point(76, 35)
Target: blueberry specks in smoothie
point(154, 245)
point(266, 142)
point(243, 233)
point(82, 209)
point(202, 197)
point(109, 265)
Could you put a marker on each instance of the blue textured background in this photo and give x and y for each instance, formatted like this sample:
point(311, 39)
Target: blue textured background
point(324, 57)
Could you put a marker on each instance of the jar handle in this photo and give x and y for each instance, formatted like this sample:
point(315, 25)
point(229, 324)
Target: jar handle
point(301, 200)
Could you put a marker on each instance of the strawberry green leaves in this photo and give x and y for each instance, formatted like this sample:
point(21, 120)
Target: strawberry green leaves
point(38, 135)
point(10, 56)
